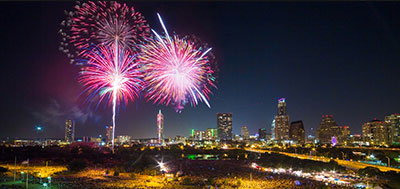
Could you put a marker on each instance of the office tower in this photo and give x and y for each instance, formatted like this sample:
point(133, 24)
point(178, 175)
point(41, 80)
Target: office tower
point(262, 134)
point(198, 135)
point(376, 133)
point(281, 122)
point(273, 130)
point(296, 132)
point(324, 131)
point(160, 127)
point(109, 131)
point(245, 133)
point(328, 128)
point(211, 134)
point(343, 136)
point(393, 121)
point(69, 130)
point(224, 125)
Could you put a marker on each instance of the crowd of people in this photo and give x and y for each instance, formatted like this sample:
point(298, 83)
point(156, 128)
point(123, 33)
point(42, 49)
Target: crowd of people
point(193, 174)
point(233, 173)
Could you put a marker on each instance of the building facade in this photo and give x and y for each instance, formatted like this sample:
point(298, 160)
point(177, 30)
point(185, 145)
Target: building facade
point(281, 122)
point(376, 133)
point(245, 133)
point(262, 134)
point(198, 135)
point(211, 134)
point(69, 130)
point(109, 132)
point(224, 125)
point(160, 127)
point(297, 133)
point(324, 131)
point(393, 121)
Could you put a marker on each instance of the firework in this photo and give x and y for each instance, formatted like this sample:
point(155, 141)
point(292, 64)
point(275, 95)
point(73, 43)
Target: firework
point(177, 71)
point(101, 22)
point(112, 75)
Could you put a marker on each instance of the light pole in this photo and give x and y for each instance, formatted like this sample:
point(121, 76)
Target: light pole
point(388, 161)
point(39, 130)
point(342, 155)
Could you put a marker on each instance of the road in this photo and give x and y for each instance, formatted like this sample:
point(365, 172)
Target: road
point(345, 163)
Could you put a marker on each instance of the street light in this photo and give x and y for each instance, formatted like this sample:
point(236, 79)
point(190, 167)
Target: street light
point(388, 161)
point(162, 166)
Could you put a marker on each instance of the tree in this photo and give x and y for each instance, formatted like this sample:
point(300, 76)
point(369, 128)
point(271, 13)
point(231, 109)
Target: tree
point(76, 165)
point(238, 183)
point(369, 171)
point(211, 181)
point(187, 181)
point(3, 170)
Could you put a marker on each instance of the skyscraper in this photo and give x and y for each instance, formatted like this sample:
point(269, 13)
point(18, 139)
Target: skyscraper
point(296, 132)
point(262, 134)
point(198, 135)
point(245, 133)
point(211, 134)
point(160, 127)
point(328, 128)
point(224, 125)
point(281, 126)
point(273, 130)
point(324, 131)
point(69, 130)
point(376, 133)
point(393, 121)
point(109, 131)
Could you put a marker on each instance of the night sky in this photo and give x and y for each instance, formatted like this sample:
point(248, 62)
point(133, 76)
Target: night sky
point(341, 59)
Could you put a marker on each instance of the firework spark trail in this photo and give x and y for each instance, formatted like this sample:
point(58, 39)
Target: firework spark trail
point(112, 70)
point(177, 70)
point(101, 22)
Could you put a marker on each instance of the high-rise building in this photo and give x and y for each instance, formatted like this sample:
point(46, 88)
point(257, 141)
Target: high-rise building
point(281, 122)
point(211, 134)
point(160, 127)
point(198, 135)
point(109, 132)
point(324, 131)
point(328, 128)
point(273, 130)
point(344, 135)
point(245, 133)
point(69, 130)
point(262, 134)
point(296, 132)
point(224, 125)
point(376, 133)
point(393, 121)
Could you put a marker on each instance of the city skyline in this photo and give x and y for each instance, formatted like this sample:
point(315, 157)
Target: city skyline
point(319, 72)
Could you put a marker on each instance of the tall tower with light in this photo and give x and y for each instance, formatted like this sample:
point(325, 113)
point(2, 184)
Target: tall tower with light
point(69, 130)
point(160, 127)
point(281, 124)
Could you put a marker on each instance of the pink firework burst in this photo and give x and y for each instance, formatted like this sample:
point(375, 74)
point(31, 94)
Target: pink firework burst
point(102, 22)
point(176, 70)
point(112, 74)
